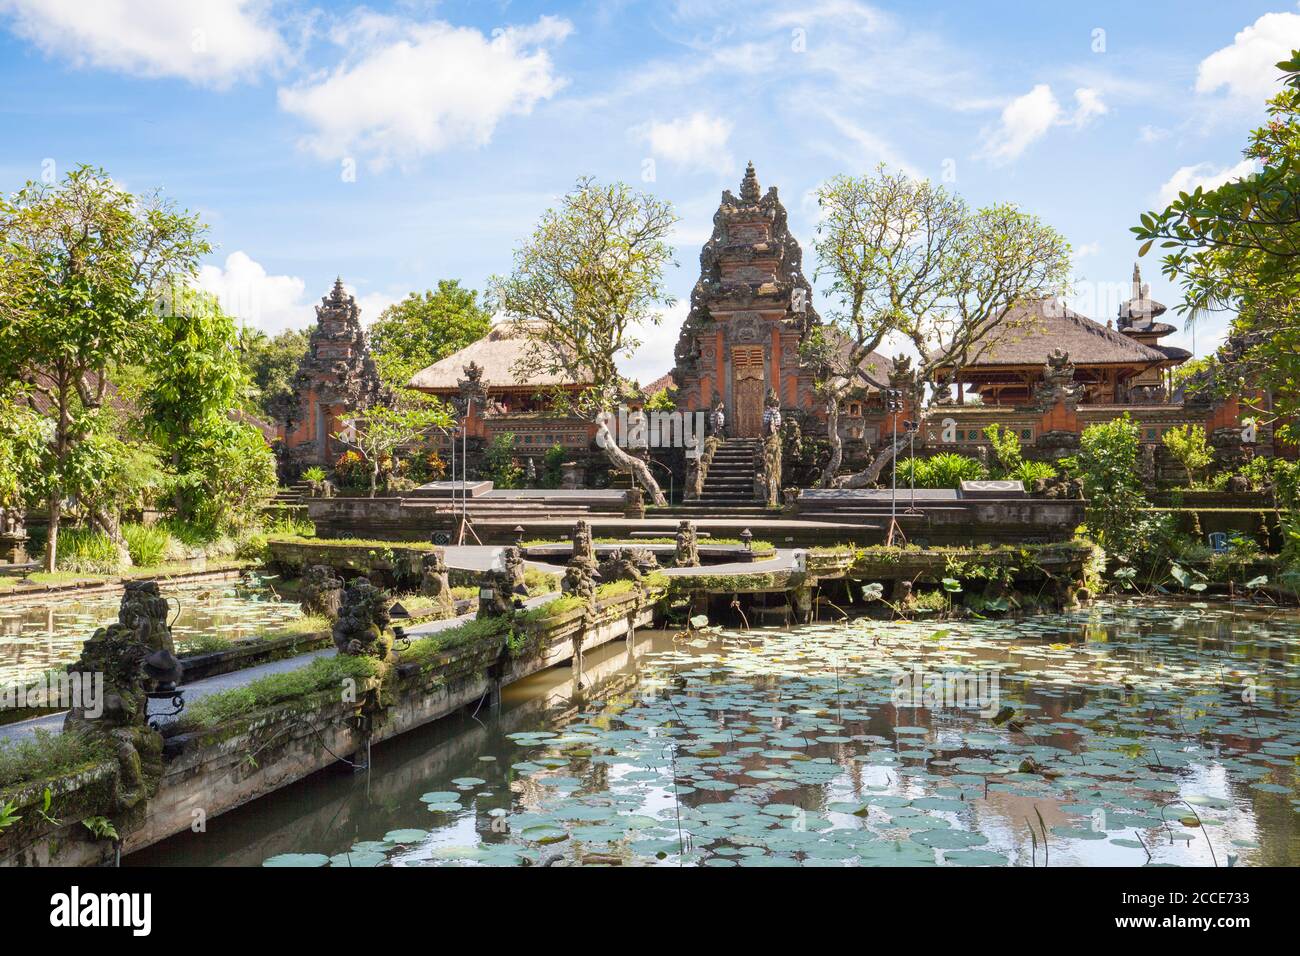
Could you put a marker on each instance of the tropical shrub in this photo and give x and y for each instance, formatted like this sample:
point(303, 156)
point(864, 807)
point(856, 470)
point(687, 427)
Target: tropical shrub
point(499, 463)
point(87, 551)
point(147, 544)
point(1115, 518)
point(553, 466)
point(1005, 445)
point(1030, 471)
point(352, 472)
point(1188, 444)
point(949, 470)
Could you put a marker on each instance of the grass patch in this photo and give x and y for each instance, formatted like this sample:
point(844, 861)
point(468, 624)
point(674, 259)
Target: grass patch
point(324, 673)
point(47, 755)
point(425, 649)
point(289, 526)
point(539, 582)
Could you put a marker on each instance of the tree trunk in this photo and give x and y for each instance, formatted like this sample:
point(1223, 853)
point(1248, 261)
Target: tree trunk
point(112, 528)
point(872, 472)
point(837, 443)
point(374, 477)
point(628, 464)
point(52, 541)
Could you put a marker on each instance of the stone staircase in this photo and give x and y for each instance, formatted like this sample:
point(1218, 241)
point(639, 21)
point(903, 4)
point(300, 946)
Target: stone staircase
point(290, 501)
point(729, 482)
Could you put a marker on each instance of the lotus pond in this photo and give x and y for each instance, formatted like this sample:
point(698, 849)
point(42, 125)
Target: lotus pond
point(42, 635)
point(1125, 734)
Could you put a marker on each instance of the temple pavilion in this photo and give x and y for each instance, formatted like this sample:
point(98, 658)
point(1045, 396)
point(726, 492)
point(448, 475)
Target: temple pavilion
point(1112, 365)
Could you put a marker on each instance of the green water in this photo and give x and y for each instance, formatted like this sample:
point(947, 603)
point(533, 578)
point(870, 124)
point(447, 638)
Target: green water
point(42, 635)
point(1122, 735)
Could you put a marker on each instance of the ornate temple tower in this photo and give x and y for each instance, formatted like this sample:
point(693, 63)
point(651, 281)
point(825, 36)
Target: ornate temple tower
point(335, 378)
point(750, 312)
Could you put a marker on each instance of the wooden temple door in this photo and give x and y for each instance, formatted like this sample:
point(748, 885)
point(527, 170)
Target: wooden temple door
point(747, 390)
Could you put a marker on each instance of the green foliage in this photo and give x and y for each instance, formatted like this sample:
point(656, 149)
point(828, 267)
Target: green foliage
point(424, 650)
point(909, 258)
point(378, 431)
point(287, 524)
point(83, 266)
point(663, 401)
point(1005, 445)
point(87, 551)
point(553, 466)
point(194, 370)
point(424, 328)
point(324, 673)
point(229, 477)
point(22, 448)
point(47, 755)
point(1107, 464)
point(101, 828)
point(1188, 444)
point(314, 473)
point(1236, 247)
point(269, 366)
point(589, 275)
point(948, 470)
point(148, 544)
point(1028, 472)
point(499, 463)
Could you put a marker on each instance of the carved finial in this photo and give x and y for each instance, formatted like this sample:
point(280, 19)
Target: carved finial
point(749, 185)
point(1137, 281)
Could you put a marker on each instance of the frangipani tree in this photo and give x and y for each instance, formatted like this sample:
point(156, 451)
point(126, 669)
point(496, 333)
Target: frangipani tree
point(589, 275)
point(378, 431)
point(911, 260)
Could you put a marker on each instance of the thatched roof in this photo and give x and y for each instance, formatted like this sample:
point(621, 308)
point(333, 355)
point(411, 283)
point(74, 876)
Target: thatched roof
point(496, 353)
point(1034, 329)
point(661, 384)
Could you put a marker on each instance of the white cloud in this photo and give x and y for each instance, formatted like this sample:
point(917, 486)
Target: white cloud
point(1087, 249)
point(409, 89)
point(1205, 175)
point(208, 42)
point(1247, 67)
point(1152, 134)
point(267, 302)
point(868, 148)
point(1027, 118)
point(654, 356)
point(698, 141)
point(273, 303)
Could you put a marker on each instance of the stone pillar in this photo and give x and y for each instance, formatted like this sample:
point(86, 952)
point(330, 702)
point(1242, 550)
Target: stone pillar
point(635, 503)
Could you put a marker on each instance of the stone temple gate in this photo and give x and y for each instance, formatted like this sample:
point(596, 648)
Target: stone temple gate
point(750, 312)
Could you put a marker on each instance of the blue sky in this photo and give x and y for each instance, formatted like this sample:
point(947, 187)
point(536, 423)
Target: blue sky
point(404, 142)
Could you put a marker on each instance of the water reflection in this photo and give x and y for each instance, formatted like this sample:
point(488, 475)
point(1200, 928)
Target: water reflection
point(1126, 734)
point(38, 636)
